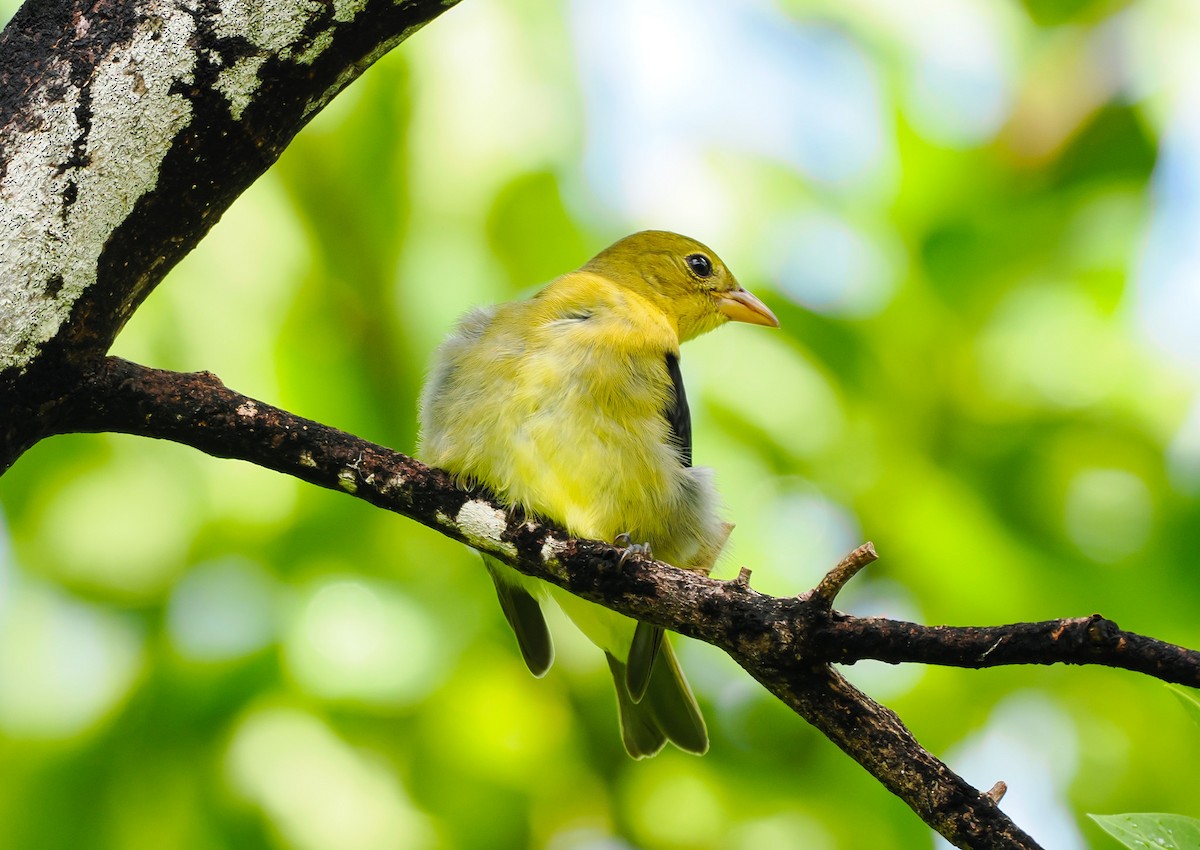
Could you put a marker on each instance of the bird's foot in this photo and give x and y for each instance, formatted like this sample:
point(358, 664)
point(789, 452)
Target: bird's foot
point(626, 542)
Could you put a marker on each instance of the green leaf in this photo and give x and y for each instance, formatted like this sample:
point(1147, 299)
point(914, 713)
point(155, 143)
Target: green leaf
point(1152, 831)
point(1191, 703)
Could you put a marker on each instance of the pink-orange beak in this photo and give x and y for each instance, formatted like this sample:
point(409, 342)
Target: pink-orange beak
point(741, 306)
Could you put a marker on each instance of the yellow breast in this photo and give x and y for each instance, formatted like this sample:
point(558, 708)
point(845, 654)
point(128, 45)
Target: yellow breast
point(557, 405)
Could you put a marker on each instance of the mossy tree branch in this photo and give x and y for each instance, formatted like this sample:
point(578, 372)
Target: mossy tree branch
point(127, 128)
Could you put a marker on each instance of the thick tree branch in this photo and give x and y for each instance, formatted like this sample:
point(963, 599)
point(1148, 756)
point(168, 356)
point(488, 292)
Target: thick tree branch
point(784, 643)
point(127, 128)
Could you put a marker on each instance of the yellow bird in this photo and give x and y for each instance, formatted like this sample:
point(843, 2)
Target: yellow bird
point(571, 405)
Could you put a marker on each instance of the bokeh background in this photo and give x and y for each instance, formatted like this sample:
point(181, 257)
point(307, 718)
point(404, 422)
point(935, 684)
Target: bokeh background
point(979, 222)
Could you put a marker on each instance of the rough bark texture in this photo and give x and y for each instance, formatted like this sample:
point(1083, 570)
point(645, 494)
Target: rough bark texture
point(1079, 640)
point(127, 127)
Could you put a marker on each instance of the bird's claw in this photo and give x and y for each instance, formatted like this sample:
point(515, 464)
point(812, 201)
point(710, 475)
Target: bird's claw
point(630, 548)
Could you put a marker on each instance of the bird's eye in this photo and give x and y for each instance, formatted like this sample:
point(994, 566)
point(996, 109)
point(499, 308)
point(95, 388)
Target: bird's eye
point(700, 265)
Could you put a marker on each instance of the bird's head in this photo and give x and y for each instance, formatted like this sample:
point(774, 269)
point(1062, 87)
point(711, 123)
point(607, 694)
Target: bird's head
point(683, 278)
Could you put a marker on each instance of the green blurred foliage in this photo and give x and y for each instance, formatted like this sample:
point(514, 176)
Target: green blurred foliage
point(196, 653)
point(1171, 832)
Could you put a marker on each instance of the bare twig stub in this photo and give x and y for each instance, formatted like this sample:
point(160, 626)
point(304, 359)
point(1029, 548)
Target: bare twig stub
point(837, 578)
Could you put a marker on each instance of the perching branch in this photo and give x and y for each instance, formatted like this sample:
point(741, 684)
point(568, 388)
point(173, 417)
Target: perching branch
point(787, 644)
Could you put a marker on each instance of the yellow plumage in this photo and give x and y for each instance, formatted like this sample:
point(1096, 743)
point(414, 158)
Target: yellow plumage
point(566, 404)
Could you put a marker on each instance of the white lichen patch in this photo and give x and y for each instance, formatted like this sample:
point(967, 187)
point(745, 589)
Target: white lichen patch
point(347, 10)
point(551, 549)
point(32, 237)
point(247, 409)
point(238, 82)
point(273, 26)
point(306, 459)
point(134, 118)
point(315, 48)
point(348, 480)
point(482, 525)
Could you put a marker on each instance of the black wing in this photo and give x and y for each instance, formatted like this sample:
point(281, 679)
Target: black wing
point(677, 413)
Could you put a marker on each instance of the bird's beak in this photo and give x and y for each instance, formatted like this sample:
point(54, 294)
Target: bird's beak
point(741, 306)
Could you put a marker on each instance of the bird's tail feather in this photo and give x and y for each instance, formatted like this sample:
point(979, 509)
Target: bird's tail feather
point(524, 614)
point(643, 652)
point(667, 712)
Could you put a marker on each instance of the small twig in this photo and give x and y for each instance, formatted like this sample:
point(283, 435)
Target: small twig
point(996, 792)
point(1078, 640)
point(833, 582)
